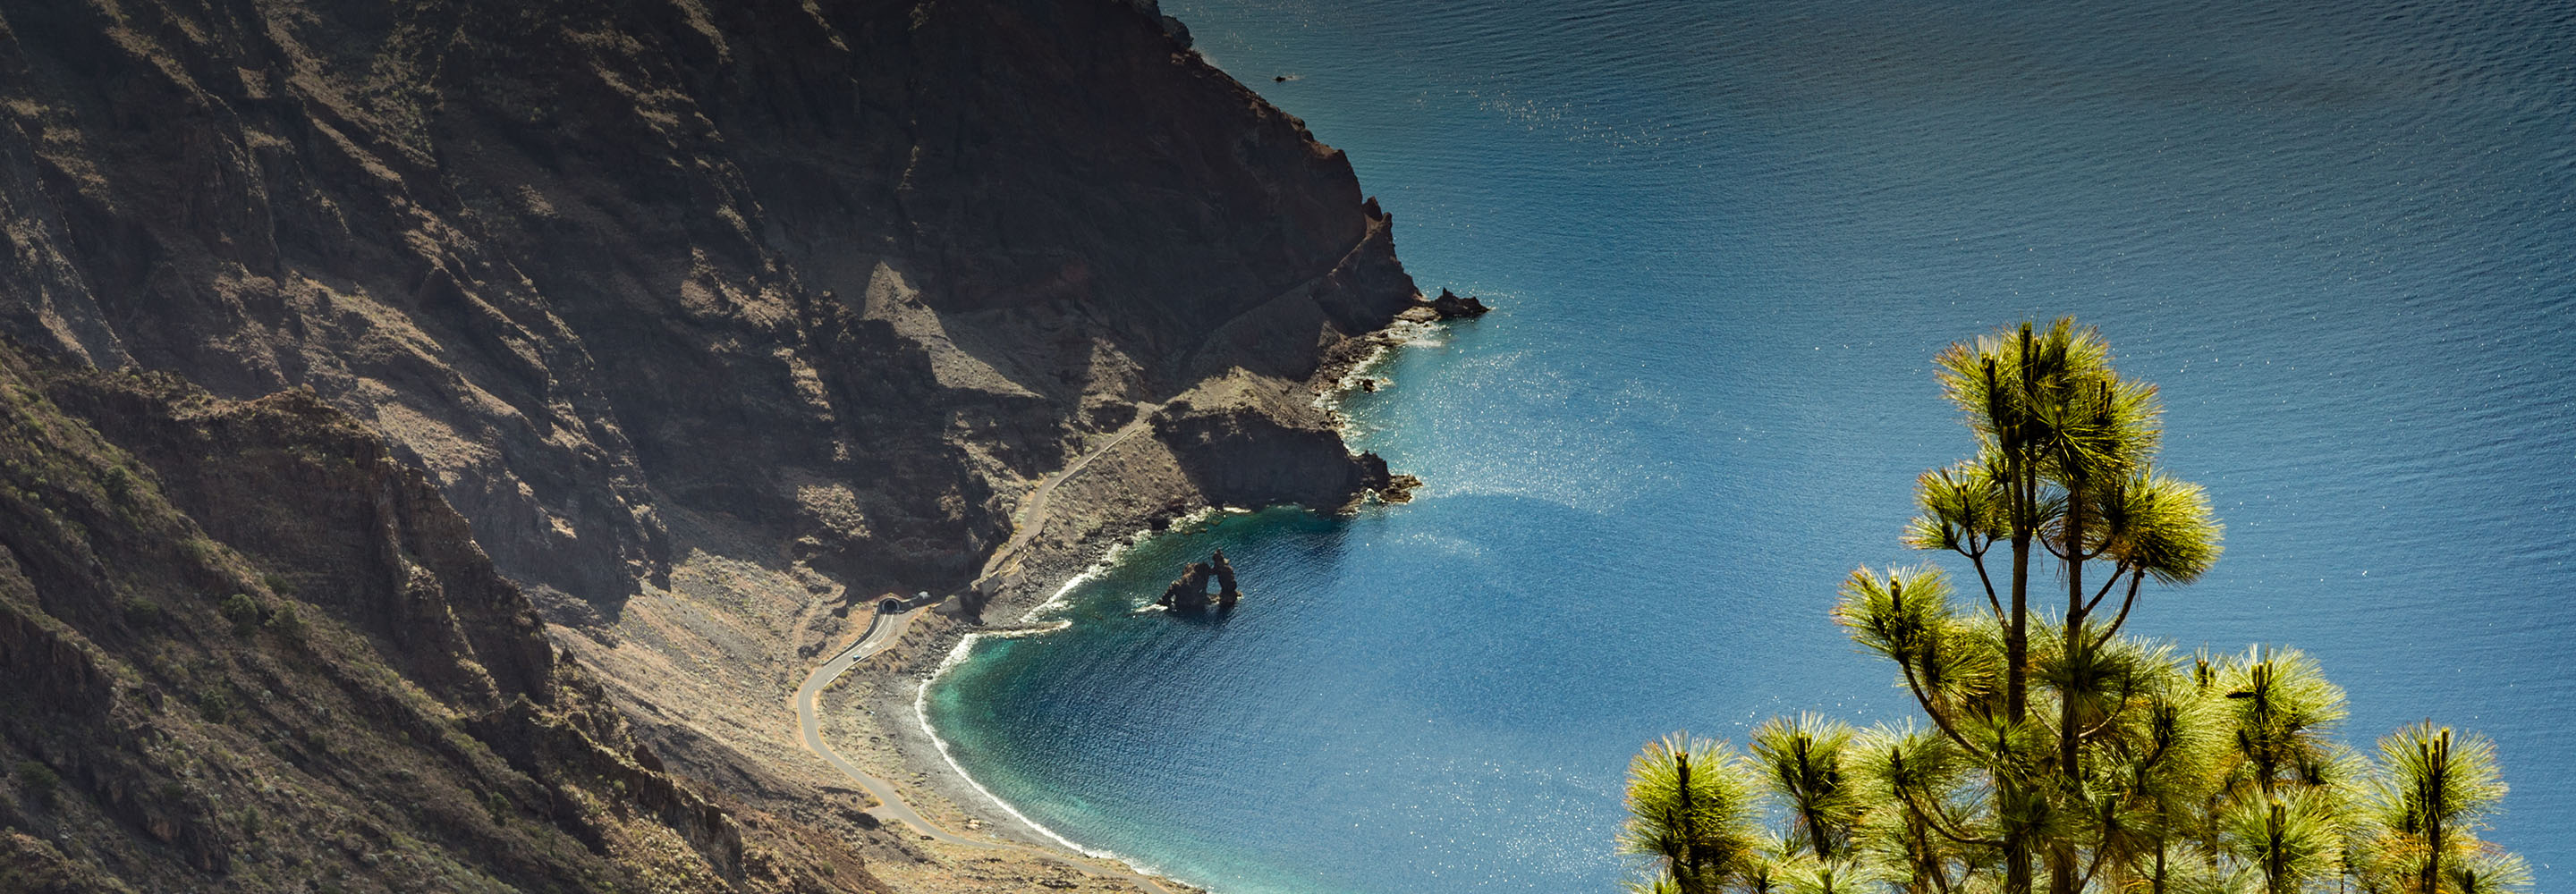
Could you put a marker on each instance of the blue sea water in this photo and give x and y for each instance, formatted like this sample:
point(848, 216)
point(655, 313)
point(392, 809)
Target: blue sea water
point(1726, 240)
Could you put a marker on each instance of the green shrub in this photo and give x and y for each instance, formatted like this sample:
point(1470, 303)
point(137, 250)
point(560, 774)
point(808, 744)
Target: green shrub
point(286, 621)
point(214, 704)
point(39, 780)
point(243, 611)
point(120, 485)
point(141, 612)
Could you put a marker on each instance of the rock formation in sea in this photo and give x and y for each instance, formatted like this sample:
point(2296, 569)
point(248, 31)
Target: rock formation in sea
point(1188, 593)
point(710, 321)
point(1380, 483)
point(1450, 306)
point(1226, 594)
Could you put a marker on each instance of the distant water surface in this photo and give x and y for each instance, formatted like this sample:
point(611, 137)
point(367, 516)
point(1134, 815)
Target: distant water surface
point(1726, 240)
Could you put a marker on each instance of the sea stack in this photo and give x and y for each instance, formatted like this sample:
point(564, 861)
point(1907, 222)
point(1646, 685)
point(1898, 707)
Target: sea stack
point(1188, 593)
point(1226, 594)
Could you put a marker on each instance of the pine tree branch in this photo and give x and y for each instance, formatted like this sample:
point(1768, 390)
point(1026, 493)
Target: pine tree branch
point(2098, 853)
point(2107, 584)
point(2136, 576)
point(2126, 692)
point(1942, 823)
point(1930, 710)
point(1978, 559)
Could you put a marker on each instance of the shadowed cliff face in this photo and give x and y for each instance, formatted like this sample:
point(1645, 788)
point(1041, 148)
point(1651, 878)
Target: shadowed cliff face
point(247, 648)
point(720, 318)
point(836, 275)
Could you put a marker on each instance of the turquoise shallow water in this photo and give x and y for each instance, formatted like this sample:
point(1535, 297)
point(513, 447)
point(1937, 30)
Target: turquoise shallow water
point(1726, 243)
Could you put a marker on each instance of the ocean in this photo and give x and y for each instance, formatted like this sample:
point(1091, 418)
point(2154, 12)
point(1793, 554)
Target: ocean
point(1726, 241)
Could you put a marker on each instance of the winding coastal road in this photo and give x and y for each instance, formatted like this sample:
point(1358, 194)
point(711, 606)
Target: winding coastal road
point(1030, 517)
point(883, 630)
point(886, 628)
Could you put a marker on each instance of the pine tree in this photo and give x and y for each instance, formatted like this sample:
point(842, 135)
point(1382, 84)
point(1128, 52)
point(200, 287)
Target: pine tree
point(2058, 736)
point(2432, 793)
point(1690, 810)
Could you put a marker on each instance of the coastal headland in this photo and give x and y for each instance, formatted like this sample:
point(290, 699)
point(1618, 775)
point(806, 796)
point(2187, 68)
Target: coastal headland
point(868, 709)
point(712, 323)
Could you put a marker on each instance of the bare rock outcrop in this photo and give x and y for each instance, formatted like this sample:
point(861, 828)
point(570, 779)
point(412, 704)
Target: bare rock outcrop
point(245, 645)
point(1226, 593)
point(1245, 442)
point(1449, 306)
point(882, 258)
point(1189, 592)
point(750, 308)
point(705, 319)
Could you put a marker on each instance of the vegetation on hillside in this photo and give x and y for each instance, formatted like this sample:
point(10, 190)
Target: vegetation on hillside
point(2056, 748)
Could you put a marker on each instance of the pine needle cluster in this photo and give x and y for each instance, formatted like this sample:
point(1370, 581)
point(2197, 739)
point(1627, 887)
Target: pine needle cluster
point(2053, 740)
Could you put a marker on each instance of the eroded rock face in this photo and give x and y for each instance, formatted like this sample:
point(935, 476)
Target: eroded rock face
point(1248, 446)
point(1189, 592)
point(1226, 593)
point(829, 273)
point(244, 646)
point(1451, 306)
point(755, 308)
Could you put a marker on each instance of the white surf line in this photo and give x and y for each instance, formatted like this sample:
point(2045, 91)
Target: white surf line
point(957, 656)
point(965, 648)
point(1062, 596)
point(883, 630)
point(881, 634)
point(1398, 334)
point(1030, 517)
point(921, 715)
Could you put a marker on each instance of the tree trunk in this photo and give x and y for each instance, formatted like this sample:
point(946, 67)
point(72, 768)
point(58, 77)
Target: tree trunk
point(2436, 802)
point(2016, 669)
point(1690, 882)
point(2017, 635)
point(2061, 854)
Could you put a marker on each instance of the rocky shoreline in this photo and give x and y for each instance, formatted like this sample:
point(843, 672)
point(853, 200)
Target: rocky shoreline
point(713, 326)
point(875, 718)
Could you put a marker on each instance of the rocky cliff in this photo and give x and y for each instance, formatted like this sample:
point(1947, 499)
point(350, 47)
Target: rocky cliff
point(243, 643)
point(839, 274)
point(710, 320)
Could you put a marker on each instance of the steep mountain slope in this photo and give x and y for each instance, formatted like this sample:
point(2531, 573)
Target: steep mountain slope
point(565, 253)
point(712, 320)
point(245, 644)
